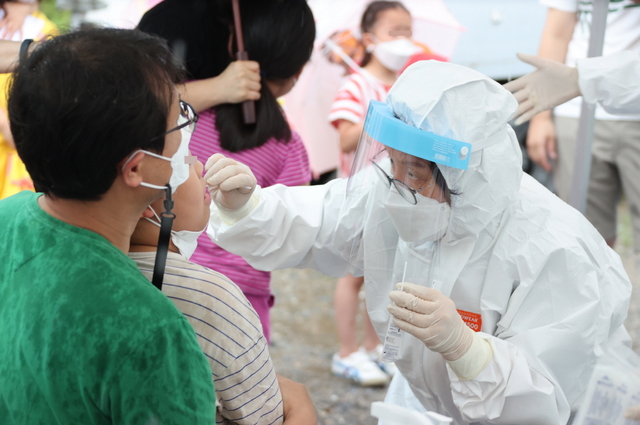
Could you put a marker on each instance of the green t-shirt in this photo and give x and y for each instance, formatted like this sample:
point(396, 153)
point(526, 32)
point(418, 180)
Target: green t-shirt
point(84, 337)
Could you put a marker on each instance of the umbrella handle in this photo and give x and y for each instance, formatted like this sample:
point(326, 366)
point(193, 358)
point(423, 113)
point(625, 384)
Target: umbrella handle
point(248, 106)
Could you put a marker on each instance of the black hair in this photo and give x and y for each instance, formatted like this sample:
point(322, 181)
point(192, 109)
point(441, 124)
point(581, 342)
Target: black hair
point(370, 18)
point(82, 102)
point(441, 182)
point(279, 35)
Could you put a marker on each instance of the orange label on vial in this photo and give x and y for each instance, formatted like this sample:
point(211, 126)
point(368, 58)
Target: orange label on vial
point(473, 320)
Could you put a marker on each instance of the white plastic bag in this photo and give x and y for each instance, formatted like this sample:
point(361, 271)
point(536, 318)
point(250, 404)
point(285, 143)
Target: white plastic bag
point(613, 388)
point(390, 414)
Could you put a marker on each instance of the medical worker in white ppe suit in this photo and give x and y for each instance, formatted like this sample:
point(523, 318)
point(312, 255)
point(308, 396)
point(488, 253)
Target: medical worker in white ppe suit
point(481, 244)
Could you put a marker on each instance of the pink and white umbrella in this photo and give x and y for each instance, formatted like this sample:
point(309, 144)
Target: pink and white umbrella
point(307, 106)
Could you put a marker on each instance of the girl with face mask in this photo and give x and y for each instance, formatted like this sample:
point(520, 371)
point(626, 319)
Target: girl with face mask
point(386, 32)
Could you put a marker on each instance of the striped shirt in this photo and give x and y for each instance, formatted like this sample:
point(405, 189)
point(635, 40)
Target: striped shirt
point(351, 103)
point(274, 162)
point(230, 335)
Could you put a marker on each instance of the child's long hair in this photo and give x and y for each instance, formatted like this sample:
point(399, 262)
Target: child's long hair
point(279, 35)
point(370, 17)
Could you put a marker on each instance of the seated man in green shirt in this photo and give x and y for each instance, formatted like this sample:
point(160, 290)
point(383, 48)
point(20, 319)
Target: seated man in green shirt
point(84, 337)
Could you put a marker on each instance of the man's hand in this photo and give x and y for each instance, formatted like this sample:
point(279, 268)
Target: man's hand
point(633, 413)
point(297, 404)
point(541, 140)
point(230, 182)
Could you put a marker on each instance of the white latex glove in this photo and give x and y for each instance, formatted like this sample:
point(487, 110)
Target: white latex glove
point(230, 182)
point(432, 318)
point(552, 84)
point(633, 413)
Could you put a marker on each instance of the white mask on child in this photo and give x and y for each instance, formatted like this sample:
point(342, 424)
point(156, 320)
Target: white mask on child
point(185, 240)
point(394, 54)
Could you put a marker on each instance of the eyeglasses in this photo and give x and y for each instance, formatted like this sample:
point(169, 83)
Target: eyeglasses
point(189, 118)
point(407, 193)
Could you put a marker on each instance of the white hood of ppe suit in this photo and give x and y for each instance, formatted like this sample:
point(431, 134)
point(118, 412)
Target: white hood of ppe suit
point(549, 292)
point(467, 106)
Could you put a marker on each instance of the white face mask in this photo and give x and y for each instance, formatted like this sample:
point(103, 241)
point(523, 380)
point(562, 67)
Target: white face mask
point(185, 240)
point(179, 166)
point(428, 220)
point(394, 54)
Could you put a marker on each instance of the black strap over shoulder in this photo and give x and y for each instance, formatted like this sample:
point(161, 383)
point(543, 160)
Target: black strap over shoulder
point(166, 222)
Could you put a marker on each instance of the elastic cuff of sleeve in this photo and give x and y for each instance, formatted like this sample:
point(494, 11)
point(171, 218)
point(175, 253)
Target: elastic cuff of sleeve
point(231, 217)
point(474, 360)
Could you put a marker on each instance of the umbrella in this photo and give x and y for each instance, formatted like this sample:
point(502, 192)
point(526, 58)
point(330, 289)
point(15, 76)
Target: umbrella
point(337, 21)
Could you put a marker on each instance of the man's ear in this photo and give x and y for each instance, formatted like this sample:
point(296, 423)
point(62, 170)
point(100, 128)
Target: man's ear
point(130, 169)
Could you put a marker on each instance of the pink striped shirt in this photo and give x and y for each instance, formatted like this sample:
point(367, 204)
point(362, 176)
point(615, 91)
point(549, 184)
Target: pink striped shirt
point(272, 163)
point(351, 103)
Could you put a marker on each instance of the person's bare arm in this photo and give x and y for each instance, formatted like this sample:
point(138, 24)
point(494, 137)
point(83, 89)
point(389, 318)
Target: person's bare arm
point(349, 135)
point(9, 52)
point(556, 35)
point(240, 81)
point(298, 407)
point(5, 129)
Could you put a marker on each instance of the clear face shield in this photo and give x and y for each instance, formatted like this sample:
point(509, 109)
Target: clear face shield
point(397, 170)
point(397, 208)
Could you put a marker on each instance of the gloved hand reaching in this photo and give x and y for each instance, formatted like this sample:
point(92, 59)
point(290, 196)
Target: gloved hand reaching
point(552, 84)
point(230, 182)
point(432, 317)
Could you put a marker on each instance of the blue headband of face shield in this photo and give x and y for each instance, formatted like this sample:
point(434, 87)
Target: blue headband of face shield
point(384, 127)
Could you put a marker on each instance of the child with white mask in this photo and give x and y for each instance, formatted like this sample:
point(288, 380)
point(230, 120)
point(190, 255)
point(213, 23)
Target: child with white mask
point(386, 32)
point(223, 319)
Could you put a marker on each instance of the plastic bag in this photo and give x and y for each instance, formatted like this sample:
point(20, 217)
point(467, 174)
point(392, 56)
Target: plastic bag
point(613, 388)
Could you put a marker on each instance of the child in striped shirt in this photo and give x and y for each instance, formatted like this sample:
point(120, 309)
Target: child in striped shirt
point(227, 327)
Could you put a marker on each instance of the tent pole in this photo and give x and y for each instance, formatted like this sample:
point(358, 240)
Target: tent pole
point(584, 141)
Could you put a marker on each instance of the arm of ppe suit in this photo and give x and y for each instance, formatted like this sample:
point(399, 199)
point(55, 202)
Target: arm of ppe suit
point(289, 227)
point(613, 81)
point(560, 315)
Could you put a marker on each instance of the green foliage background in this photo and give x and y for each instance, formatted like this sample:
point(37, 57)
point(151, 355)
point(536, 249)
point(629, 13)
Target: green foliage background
point(58, 16)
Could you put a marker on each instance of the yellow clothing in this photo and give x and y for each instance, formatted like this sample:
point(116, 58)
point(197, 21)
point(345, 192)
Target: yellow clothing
point(13, 174)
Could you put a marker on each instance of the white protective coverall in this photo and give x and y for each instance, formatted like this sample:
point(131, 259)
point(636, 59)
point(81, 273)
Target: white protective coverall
point(613, 81)
point(550, 293)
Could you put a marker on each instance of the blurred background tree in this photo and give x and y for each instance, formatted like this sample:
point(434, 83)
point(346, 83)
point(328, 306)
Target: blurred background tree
point(58, 16)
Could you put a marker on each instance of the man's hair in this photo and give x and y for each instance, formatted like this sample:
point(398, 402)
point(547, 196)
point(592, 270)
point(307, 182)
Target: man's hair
point(82, 102)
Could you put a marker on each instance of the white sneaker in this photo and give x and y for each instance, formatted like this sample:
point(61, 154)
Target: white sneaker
point(359, 368)
point(376, 356)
